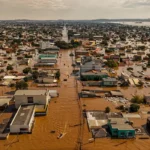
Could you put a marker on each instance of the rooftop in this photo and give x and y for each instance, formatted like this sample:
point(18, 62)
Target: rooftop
point(48, 56)
point(23, 115)
point(4, 120)
point(30, 92)
point(109, 79)
point(120, 124)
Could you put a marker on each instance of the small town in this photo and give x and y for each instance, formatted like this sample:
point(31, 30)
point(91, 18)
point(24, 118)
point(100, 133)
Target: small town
point(74, 85)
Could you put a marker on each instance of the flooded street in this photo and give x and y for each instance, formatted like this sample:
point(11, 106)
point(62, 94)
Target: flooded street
point(62, 113)
point(64, 117)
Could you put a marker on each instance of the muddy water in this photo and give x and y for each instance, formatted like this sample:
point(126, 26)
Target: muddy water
point(63, 112)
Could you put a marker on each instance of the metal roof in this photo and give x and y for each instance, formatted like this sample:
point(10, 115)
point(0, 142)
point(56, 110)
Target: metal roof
point(23, 115)
point(109, 79)
point(120, 124)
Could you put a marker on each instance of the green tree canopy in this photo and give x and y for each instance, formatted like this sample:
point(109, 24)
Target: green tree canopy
point(21, 85)
point(111, 63)
point(27, 70)
point(107, 110)
point(9, 67)
point(134, 107)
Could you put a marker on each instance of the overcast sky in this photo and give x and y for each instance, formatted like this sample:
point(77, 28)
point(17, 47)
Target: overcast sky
point(74, 9)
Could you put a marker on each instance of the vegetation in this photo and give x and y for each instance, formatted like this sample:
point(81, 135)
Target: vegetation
point(134, 107)
point(21, 85)
point(64, 45)
point(71, 54)
point(141, 83)
point(28, 56)
point(75, 44)
point(137, 99)
point(148, 65)
point(2, 70)
point(12, 85)
point(129, 68)
point(35, 75)
point(57, 75)
point(9, 67)
point(111, 63)
point(107, 110)
point(27, 70)
point(25, 79)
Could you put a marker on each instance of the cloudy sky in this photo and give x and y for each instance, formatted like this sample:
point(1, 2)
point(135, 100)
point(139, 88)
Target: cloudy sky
point(74, 9)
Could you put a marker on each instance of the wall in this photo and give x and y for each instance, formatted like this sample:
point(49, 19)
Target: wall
point(39, 99)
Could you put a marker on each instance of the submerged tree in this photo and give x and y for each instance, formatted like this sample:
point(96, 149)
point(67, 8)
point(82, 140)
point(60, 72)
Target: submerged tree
point(21, 85)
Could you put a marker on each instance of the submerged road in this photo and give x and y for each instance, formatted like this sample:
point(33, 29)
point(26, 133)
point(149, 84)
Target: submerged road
point(63, 117)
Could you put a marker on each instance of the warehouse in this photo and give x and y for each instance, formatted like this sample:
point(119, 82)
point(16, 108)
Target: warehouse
point(31, 97)
point(23, 120)
point(119, 128)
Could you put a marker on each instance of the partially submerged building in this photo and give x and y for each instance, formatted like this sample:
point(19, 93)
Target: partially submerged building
point(92, 71)
point(109, 81)
point(147, 98)
point(31, 97)
point(23, 120)
point(119, 128)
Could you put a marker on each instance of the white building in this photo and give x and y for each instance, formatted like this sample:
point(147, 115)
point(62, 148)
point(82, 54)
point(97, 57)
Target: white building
point(30, 97)
point(47, 44)
point(23, 120)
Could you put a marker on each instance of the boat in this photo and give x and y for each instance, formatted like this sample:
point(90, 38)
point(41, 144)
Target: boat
point(61, 135)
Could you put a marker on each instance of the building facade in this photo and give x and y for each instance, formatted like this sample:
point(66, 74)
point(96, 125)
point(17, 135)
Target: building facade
point(31, 97)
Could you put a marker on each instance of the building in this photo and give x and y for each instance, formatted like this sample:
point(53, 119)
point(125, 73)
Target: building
point(116, 93)
point(46, 44)
point(81, 52)
point(92, 71)
point(119, 128)
point(31, 97)
point(148, 123)
point(47, 60)
point(147, 98)
point(109, 81)
point(23, 120)
point(4, 102)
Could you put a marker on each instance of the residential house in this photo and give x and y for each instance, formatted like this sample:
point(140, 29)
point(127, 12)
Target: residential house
point(109, 81)
point(119, 128)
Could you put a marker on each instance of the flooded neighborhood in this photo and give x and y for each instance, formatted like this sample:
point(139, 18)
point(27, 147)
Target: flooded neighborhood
point(74, 86)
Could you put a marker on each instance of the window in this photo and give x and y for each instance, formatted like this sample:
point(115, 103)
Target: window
point(30, 99)
point(130, 134)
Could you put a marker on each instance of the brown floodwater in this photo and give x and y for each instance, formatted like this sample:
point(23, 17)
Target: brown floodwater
point(63, 113)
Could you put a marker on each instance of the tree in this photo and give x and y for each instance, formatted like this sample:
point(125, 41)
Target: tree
point(35, 75)
point(25, 79)
point(27, 70)
point(134, 107)
point(107, 110)
point(111, 63)
point(57, 75)
point(137, 99)
point(21, 85)
point(9, 67)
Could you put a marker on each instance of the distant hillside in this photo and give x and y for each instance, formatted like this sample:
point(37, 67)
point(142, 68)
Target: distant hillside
point(122, 20)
